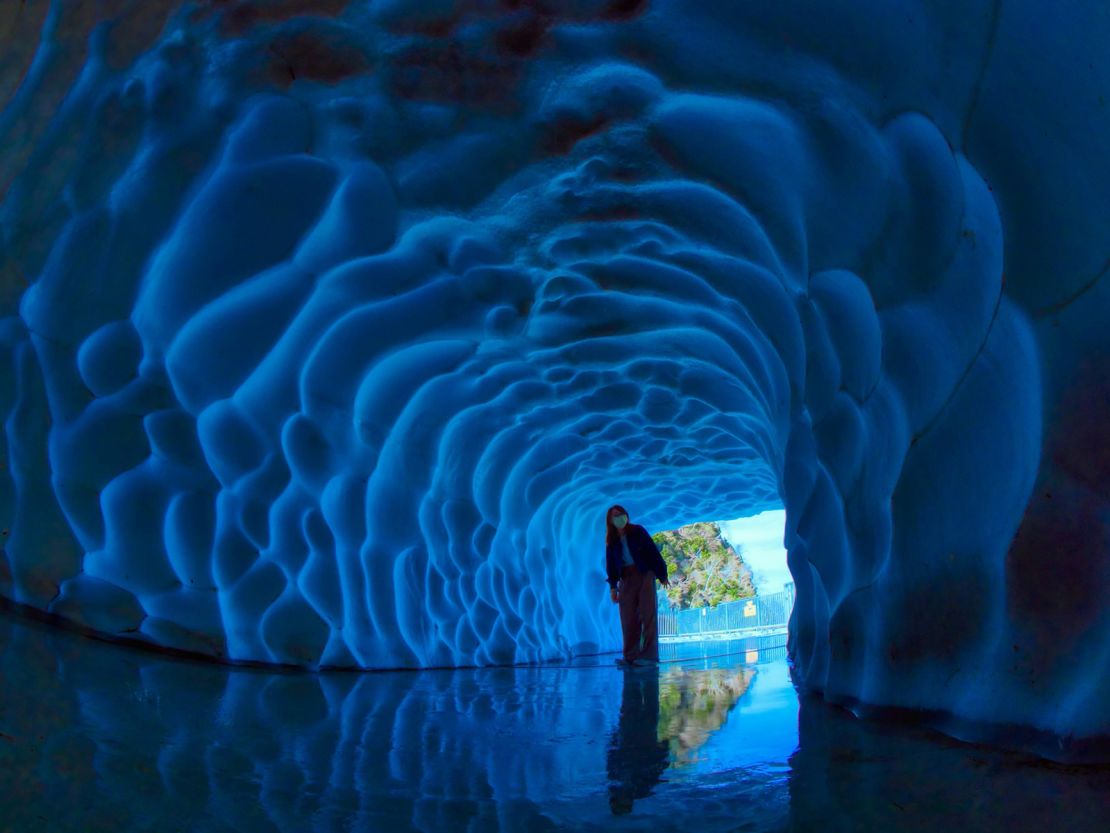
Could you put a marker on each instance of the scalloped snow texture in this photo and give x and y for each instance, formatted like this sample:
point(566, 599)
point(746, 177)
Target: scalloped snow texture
point(330, 329)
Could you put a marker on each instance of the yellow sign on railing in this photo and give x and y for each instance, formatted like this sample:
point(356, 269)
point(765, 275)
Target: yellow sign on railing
point(749, 609)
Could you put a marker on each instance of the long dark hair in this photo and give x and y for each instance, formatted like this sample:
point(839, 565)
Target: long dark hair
point(612, 534)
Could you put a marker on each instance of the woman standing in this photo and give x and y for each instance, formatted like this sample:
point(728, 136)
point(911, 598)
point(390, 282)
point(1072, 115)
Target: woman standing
point(632, 564)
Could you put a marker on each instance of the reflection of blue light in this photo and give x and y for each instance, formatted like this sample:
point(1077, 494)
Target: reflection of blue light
point(95, 736)
point(763, 730)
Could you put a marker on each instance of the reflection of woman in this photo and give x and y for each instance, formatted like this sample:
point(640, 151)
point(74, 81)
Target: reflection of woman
point(636, 758)
point(632, 563)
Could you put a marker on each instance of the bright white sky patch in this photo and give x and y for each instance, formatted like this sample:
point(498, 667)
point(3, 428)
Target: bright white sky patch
point(760, 536)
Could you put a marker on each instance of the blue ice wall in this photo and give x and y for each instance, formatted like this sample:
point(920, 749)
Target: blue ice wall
point(330, 329)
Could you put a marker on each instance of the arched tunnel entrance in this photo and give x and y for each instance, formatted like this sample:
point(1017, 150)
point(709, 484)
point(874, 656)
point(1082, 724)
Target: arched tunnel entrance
point(330, 330)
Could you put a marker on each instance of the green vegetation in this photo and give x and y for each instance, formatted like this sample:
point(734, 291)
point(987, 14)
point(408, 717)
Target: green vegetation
point(704, 568)
point(693, 704)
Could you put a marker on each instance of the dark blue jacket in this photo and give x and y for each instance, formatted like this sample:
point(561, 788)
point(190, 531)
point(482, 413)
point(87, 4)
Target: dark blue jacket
point(644, 553)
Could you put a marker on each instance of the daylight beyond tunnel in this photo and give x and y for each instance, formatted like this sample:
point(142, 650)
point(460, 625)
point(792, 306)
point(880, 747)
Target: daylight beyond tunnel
point(330, 330)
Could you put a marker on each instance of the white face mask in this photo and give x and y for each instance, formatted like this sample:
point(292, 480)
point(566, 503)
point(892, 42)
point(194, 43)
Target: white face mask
point(619, 521)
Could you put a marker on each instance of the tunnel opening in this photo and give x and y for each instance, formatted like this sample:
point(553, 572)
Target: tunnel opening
point(725, 573)
point(730, 592)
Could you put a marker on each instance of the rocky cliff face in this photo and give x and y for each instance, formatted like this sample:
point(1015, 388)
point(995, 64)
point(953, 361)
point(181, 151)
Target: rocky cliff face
point(705, 569)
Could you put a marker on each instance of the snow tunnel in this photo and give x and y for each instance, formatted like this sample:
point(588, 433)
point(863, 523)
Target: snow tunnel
point(330, 329)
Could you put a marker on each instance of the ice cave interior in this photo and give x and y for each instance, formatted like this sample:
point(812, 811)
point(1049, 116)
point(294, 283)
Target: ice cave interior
point(330, 329)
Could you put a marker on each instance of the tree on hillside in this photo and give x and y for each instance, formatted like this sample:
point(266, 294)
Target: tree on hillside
point(704, 568)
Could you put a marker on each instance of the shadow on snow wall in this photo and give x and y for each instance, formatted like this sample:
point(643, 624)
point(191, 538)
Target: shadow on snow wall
point(329, 336)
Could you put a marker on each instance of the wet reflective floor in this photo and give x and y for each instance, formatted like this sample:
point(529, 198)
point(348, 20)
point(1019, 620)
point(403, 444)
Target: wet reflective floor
point(99, 737)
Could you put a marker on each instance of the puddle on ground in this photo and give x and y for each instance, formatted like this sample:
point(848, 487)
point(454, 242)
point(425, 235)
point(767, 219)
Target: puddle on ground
point(95, 736)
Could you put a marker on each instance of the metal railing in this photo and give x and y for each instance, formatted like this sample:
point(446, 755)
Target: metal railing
point(771, 611)
point(754, 649)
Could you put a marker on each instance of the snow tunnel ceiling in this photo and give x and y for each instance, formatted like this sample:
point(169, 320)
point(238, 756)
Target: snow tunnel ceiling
point(331, 328)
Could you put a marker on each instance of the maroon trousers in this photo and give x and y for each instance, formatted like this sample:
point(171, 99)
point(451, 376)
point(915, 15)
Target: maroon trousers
point(637, 606)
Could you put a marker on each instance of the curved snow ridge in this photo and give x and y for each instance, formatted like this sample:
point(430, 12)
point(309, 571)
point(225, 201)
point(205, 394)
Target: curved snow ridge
point(342, 330)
